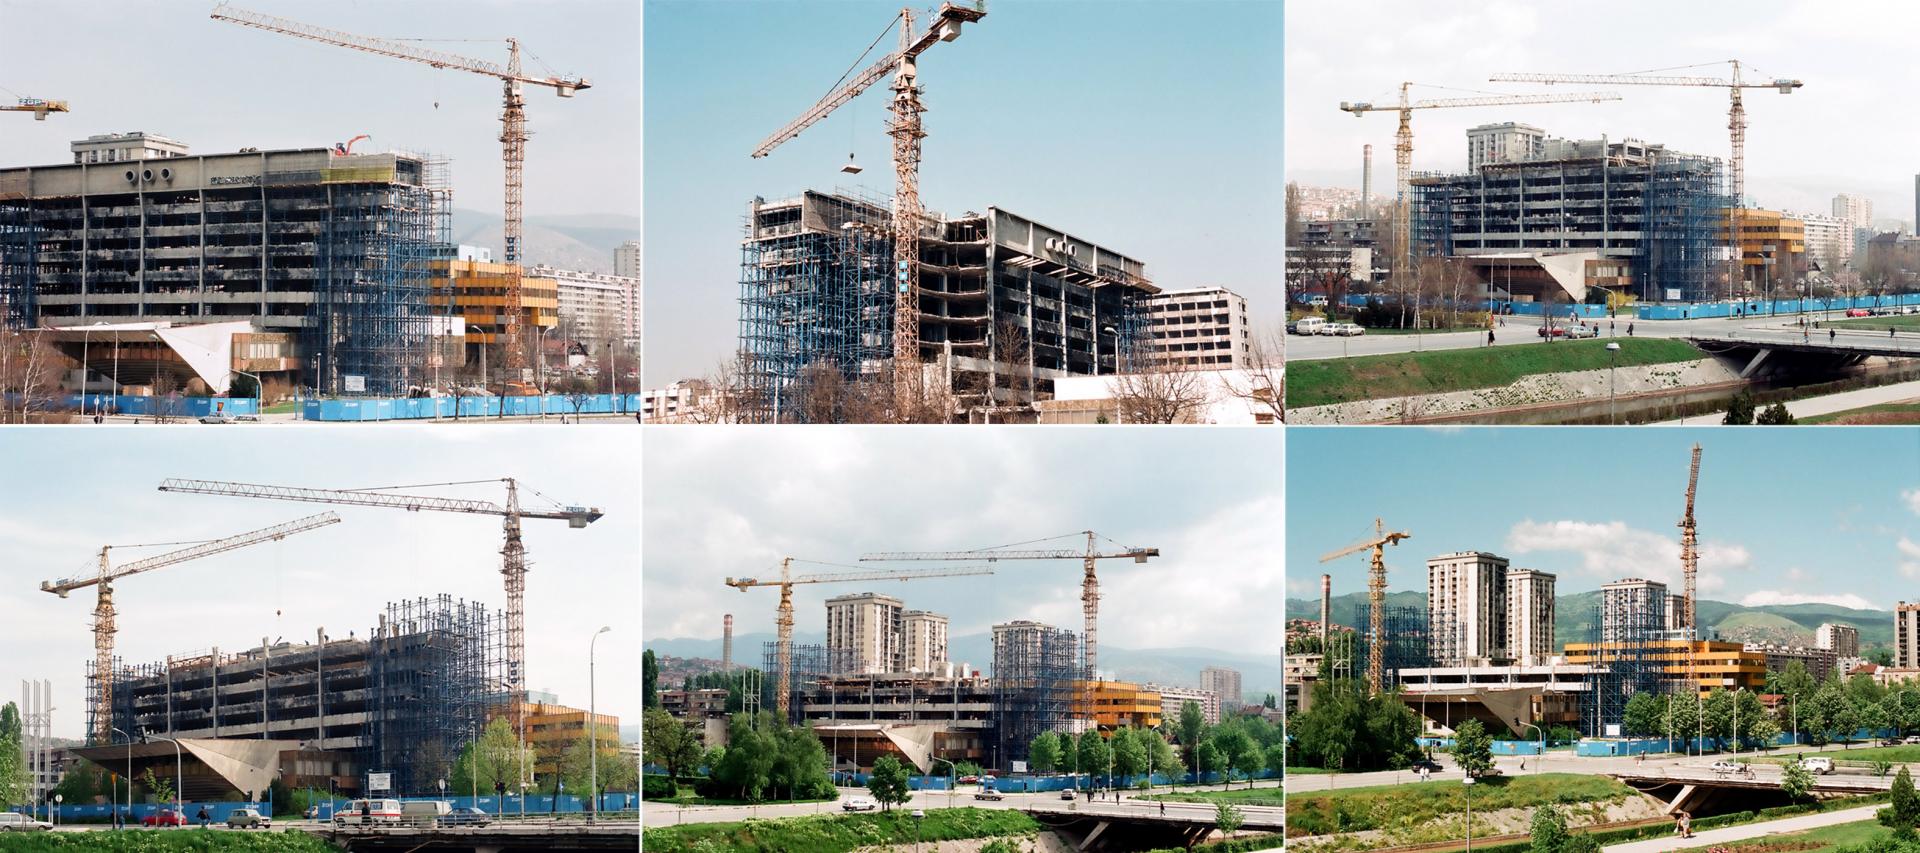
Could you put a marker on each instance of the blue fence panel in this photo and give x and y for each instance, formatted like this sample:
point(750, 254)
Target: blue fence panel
point(217, 812)
point(372, 409)
point(1749, 308)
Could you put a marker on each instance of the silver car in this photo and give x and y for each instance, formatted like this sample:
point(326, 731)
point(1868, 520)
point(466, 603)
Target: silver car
point(17, 822)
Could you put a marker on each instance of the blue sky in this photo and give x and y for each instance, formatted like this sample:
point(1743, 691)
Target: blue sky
point(1152, 128)
point(166, 67)
point(72, 490)
point(1809, 514)
point(732, 502)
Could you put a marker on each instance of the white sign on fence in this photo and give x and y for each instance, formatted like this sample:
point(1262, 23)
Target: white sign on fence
point(353, 384)
point(379, 783)
point(1019, 767)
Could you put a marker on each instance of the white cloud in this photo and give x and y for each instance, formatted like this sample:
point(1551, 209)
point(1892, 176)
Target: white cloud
point(1912, 497)
point(1910, 557)
point(1612, 550)
point(1764, 597)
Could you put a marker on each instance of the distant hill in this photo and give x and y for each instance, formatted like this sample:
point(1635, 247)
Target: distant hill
point(1575, 617)
point(583, 242)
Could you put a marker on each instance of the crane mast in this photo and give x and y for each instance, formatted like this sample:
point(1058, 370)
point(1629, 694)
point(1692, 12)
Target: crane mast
point(1690, 549)
point(1376, 596)
point(103, 609)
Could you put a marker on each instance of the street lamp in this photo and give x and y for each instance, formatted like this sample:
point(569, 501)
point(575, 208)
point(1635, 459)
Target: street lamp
point(953, 778)
point(177, 777)
point(1543, 746)
point(1116, 349)
point(116, 799)
point(917, 815)
point(1613, 350)
point(593, 741)
point(57, 800)
point(1467, 780)
point(259, 391)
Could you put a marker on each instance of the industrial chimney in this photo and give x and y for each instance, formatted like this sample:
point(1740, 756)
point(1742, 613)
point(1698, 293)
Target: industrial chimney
point(726, 646)
point(1366, 181)
point(1326, 601)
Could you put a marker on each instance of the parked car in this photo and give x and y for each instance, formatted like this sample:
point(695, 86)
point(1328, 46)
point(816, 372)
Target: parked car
point(164, 817)
point(1726, 767)
point(989, 795)
point(969, 780)
point(1856, 312)
point(248, 819)
point(17, 822)
point(1348, 330)
point(1817, 764)
point(1307, 325)
point(216, 419)
point(1067, 794)
point(1913, 739)
point(1582, 330)
point(859, 804)
point(465, 817)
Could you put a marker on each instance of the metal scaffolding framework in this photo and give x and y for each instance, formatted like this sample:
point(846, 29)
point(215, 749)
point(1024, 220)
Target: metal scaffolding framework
point(1626, 633)
point(809, 664)
point(1406, 644)
point(437, 669)
point(1034, 676)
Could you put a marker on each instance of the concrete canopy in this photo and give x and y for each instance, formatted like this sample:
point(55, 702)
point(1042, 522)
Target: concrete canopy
point(205, 348)
point(914, 742)
point(247, 765)
point(1509, 708)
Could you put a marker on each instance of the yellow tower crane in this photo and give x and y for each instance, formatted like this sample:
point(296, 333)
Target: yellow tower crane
point(1089, 583)
point(38, 106)
point(783, 616)
point(1736, 125)
point(513, 554)
point(1690, 548)
point(513, 133)
point(1403, 155)
point(906, 130)
point(103, 610)
point(1376, 594)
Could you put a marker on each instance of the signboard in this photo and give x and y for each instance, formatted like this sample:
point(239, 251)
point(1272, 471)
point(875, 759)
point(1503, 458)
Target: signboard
point(1019, 767)
point(1613, 730)
point(353, 384)
point(1673, 294)
point(379, 783)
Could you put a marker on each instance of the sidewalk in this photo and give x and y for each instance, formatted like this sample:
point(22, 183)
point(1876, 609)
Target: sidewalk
point(1828, 404)
point(1711, 837)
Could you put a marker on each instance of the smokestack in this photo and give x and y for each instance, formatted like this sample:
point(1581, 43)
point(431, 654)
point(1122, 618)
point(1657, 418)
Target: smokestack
point(1366, 181)
point(1326, 601)
point(726, 646)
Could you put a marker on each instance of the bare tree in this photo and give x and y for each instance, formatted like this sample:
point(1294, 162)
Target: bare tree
point(1164, 392)
point(1262, 383)
point(29, 377)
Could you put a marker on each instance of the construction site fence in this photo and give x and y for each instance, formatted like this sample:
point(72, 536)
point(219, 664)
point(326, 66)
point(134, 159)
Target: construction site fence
point(1750, 308)
point(217, 812)
point(1501, 306)
point(429, 408)
point(509, 806)
point(147, 406)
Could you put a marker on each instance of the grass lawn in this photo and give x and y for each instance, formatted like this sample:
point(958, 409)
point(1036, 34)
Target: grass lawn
point(286, 408)
point(835, 833)
point(1811, 841)
point(694, 799)
point(1881, 415)
point(1908, 322)
point(159, 841)
point(1388, 806)
point(1237, 796)
point(1320, 382)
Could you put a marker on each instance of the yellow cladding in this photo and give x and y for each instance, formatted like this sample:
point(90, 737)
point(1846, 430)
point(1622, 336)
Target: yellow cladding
point(553, 729)
point(1763, 229)
point(479, 294)
point(1708, 664)
point(1119, 703)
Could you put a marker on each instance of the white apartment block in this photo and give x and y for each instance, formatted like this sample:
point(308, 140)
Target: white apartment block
point(1467, 608)
point(1829, 241)
point(1506, 142)
point(1630, 608)
point(1199, 328)
point(684, 402)
point(1530, 616)
point(925, 643)
point(1172, 698)
point(1842, 640)
point(1906, 636)
point(600, 307)
point(626, 259)
point(1224, 683)
point(868, 627)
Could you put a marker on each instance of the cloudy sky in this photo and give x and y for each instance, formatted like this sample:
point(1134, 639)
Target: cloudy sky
point(1148, 128)
point(733, 502)
point(167, 68)
point(1807, 515)
point(70, 491)
point(1845, 131)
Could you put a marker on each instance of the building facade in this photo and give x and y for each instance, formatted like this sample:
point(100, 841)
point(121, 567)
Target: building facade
point(1819, 662)
point(626, 259)
point(1204, 328)
point(1829, 242)
point(1773, 249)
point(1467, 608)
point(1530, 616)
point(1633, 609)
point(1222, 682)
point(868, 627)
point(1842, 640)
point(924, 646)
point(1906, 635)
point(595, 308)
point(1506, 142)
point(1173, 698)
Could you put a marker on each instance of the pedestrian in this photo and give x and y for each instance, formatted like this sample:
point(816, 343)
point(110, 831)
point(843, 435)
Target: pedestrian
point(1611, 328)
point(1489, 337)
point(203, 817)
point(1163, 808)
point(1629, 330)
point(1829, 336)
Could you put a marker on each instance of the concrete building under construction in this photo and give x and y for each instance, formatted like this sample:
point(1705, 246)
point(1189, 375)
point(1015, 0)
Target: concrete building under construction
point(401, 700)
point(322, 256)
point(1007, 304)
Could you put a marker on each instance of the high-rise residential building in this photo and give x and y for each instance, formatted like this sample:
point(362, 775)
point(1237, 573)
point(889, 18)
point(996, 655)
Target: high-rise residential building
point(1199, 328)
point(1172, 698)
point(1829, 241)
point(626, 259)
point(1633, 609)
point(1506, 142)
point(1857, 211)
point(1530, 616)
point(866, 627)
point(595, 308)
point(1674, 613)
point(925, 643)
point(1906, 635)
point(1222, 682)
point(1842, 640)
point(1467, 608)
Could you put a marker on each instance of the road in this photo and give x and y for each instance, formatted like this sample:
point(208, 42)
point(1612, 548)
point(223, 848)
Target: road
point(668, 814)
point(1712, 837)
point(1520, 331)
point(1559, 761)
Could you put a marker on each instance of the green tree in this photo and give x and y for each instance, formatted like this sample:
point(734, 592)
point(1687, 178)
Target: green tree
point(1044, 754)
point(160, 789)
point(1641, 718)
point(1095, 755)
point(496, 757)
point(1210, 760)
point(1069, 754)
point(649, 680)
point(1473, 748)
point(1796, 782)
point(1719, 716)
point(1228, 818)
point(1739, 410)
point(1277, 758)
point(14, 784)
point(669, 743)
point(1764, 731)
point(767, 757)
point(1129, 753)
point(1794, 684)
point(1241, 753)
point(1903, 812)
point(1682, 717)
point(1775, 414)
point(81, 784)
point(888, 784)
point(1549, 830)
point(1193, 722)
point(1160, 757)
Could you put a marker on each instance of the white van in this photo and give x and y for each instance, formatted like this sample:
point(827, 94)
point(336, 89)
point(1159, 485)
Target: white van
point(424, 812)
point(368, 813)
point(1308, 325)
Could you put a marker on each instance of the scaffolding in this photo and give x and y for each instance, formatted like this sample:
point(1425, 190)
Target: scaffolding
point(1627, 633)
point(17, 243)
point(1406, 644)
point(437, 668)
point(815, 291)
point(1685, 208)
point(810, 663)
point(1036, 671)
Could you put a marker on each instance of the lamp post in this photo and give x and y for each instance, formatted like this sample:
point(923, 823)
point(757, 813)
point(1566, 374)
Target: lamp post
point(593, 742)
point(917, 815)
point(540, 368)
point(116, 801)
point(177, 776)
point(1467, 780)
point(1543, 746)
point(953, 777)
point(57, 800)
point(259, 390)
point(1116, 349)
point(1613, 349)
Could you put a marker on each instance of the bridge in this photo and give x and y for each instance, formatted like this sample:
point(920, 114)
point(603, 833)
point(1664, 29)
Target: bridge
point(1816, 349)
point(1694, 788)
point(573, 834)
point(1165, 824)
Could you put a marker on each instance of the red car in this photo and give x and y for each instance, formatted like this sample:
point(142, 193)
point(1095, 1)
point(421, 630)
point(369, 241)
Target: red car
point(164, 817)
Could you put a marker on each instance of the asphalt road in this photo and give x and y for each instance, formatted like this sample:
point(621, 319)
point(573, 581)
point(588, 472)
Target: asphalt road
point(1713, 837)
point(1561, 761)
point(669, 814)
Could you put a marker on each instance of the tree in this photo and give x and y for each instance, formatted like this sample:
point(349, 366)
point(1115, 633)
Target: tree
point(888, 784)
point(496, 756)
point(1473, 748)
point(1129, 753)
point(1682, 717)
point(14, 784)
point(1763, 731)
point(1044, 754)
point(1796, 782)
point(1903, 812)
point(669, 743)
point(1642, 715)
point(1262, 380)
point(1240, 753)
point(649, 680)
point(1549, 830)
point(1192, 722)
point(1228, 818)
point(1096, 755)
point(1775, 414)
point(1719, 716)
point(1069, 754)
point(161, 789)
point(1739, 410)
point(1159, 392)
point(1209, 759)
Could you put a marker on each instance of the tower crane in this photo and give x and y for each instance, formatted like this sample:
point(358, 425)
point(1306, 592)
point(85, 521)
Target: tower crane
point(513, 131)
point(103, 610)
point(783, 619)
point(1690, 548)
point(513, 554)
point(38, 106)
point(906, 130)
point(1089, 583)
point(1376, 592)
point(1736, 123)
point(1403, 152)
